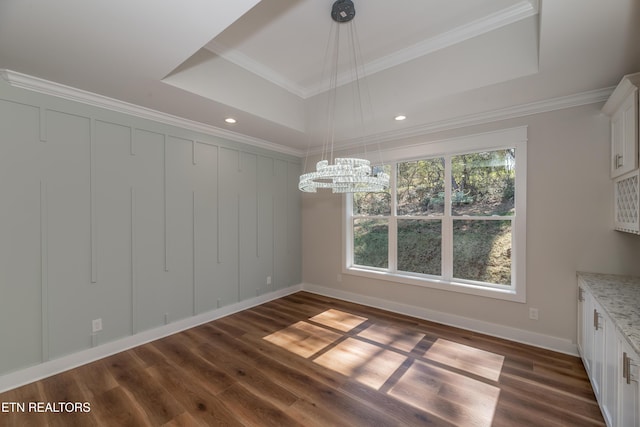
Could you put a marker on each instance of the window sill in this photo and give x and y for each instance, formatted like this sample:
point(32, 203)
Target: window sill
point(459, 287)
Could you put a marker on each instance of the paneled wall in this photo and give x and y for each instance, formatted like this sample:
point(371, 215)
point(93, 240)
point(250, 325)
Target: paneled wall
point(138, 223)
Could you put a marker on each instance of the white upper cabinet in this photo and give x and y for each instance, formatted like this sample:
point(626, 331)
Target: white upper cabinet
point(622, 107)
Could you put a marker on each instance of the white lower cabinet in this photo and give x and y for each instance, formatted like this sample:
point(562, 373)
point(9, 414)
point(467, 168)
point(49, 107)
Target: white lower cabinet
point(600, 323)
point(610, 362)
point(585, 333)
point(629, 401)
point(610, 366)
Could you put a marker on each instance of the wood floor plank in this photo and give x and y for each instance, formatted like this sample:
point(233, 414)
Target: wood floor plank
point(405, 413)
point(533, 412)
point(195, 397)
point(312, 360)
point(63, 388)
point(267, 352)
point(154, 400)
point(310, 414)
point(173, 348)
point(148, 355)
point(116, 407)
point(186, 420)
point(94, 379)
point(552, 381)
point(249, 376)
point(252, 410)
point(325, 397)
point(551, 399)
point(23, 395)
point(251, 322)
point(293, 311)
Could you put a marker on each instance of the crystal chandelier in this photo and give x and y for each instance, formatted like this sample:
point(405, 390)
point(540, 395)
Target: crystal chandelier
point(347, 174)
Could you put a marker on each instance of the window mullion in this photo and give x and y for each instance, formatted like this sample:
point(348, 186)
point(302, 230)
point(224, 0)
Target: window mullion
point(348, 221)
point(447, 224)
point(393, 220)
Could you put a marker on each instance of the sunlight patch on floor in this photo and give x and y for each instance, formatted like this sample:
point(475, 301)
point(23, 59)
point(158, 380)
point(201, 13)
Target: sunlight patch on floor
point(303, 339)
point(452, 381)
point(469, 359)
point(457, 398)
point(393, 337)
point(366, 363)
point(339, 320)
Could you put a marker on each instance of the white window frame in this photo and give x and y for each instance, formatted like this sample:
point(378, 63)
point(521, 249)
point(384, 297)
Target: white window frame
point(490, 141)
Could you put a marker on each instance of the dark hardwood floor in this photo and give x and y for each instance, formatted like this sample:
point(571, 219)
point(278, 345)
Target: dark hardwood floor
point(315, 361)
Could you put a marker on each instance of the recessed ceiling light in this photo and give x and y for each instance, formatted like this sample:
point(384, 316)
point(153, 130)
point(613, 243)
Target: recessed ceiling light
point(230, 120)
point(399, 118)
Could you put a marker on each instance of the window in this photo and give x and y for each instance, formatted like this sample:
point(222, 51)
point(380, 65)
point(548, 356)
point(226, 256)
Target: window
point(454, 217)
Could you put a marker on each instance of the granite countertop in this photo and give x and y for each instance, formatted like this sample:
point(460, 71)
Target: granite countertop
point(619, 297)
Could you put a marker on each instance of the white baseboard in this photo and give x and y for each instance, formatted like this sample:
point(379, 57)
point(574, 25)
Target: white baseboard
point(493, 329)
point(52, 367)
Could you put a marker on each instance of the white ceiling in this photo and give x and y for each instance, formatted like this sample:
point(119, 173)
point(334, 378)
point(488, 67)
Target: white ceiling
point(436, 61)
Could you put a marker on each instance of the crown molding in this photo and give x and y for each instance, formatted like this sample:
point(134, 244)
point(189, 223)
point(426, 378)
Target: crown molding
point(536, 107)
point(522, 110)
point(66, 92)
point(47, 87)
point(627, 85)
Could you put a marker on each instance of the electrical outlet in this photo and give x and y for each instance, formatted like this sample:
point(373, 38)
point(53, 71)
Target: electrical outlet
point(268, 280)
point(533, 313)
point(96, 325)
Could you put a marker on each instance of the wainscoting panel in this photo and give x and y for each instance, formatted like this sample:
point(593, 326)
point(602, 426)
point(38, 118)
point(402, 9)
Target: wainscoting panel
point(229, 226)
point(136, 223)
point(264, 249)
point(151, 297)
point(251, 276)
point(286, 220)
point(22, 239)
point(66, 171)
point(113, 182)
point(206, 268)
point(180, 181)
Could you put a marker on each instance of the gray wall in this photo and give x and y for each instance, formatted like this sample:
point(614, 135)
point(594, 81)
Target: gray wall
point(106, 215)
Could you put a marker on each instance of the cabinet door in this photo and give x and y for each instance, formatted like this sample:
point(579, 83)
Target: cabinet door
point(629, 409)
point(610, 378)
point(586, 321)
point(604, 376)
point(624, 137)
point(597, 364)
point(580, 320)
